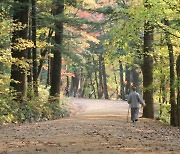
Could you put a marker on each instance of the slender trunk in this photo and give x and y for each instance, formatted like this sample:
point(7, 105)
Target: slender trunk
point(18, 72)
point(100, 89)
point(84, 87)
point(71, 87)
point(67, 82)
point(121, 71)
point(49, 72)
point(29, 57)
point(147, 69)
point(160, 101)
point(92, 84)
point(178, 89)
point(57, 60)
point(128, 81)
point(75, 85)
point(173, 119)
point(106, 96)
point(96, 77)
point(29, 76)
point(34, 53)
point(81, 80)
point(115, 80)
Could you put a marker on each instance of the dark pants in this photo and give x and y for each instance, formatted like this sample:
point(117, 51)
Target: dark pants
point(134, 114)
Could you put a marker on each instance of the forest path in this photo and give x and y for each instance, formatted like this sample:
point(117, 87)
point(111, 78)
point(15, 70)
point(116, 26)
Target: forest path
point(95, 127)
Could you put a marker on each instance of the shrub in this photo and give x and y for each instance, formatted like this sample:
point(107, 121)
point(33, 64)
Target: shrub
point(165, 113)
point(37, 109)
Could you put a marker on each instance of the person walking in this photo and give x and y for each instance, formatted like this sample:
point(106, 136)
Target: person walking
point(134, 100)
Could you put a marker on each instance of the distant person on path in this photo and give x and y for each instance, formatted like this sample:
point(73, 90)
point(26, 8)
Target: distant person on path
point(134, 100)
point(91, 93)
point(67, 91)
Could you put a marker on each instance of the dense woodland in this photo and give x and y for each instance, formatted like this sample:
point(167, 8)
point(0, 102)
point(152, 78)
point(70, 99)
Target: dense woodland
point(51, 50)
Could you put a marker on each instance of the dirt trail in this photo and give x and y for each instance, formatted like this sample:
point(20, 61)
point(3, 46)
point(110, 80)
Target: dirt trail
point(95, 127)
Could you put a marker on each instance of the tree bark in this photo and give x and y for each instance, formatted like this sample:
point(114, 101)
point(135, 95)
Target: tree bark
point(96, 77)
point(57, 60)
point(34, 53)
point(75, 85)
point(116, 82)
point(92, 84)
point(29, 57)
point(29, 76)
point(100, 89)
point(18, 72)
point(128, 81)
point(84, 87)
point(106, 96)
point(178, 89)
point(48, 73)
point(121, 71)
point(147, 69)
point(173, 119)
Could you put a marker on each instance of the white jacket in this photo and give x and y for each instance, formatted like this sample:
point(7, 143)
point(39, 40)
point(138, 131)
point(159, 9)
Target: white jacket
point(134, 100)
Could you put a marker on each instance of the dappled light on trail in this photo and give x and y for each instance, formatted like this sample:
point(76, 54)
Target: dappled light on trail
point(95, 127)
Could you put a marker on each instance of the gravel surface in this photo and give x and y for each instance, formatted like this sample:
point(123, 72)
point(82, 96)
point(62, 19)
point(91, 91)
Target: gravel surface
point(95, 127)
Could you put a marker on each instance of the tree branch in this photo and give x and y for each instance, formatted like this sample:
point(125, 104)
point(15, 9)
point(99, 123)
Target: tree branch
point(166, 30)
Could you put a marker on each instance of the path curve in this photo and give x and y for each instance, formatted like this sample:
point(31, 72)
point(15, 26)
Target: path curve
point(95, 127)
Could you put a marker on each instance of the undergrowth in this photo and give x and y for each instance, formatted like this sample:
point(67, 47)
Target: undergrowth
point(37, 109)
point(164, 115)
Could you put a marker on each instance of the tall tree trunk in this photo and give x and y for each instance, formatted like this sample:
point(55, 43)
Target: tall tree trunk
point(135, 78)
point(106, 96)
point(75, 85)
point(34, 54)
point(147, 70)
point(121, 71)
point(96, 77)
point(67, 82)
point(100, 89)
point(71, 87)
point(92, 84)
point(81, 80)
point(116, 82)
point(128, 81)
point(29, 76)
point(84, 87)
point(57, 60)
point(178, 89)
point(18, 72)
point(29, 57)
point(173, 119)
point(48, 73)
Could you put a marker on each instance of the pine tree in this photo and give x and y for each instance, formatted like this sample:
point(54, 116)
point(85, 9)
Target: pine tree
point(57, 59)
point(18, 72)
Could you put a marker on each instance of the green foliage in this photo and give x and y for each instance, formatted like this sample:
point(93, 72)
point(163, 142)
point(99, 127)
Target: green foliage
point(165, 113)
point(37, 109)
point(8, 108)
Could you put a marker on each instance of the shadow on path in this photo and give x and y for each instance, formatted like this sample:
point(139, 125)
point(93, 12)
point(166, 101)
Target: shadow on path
point(96, 127)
